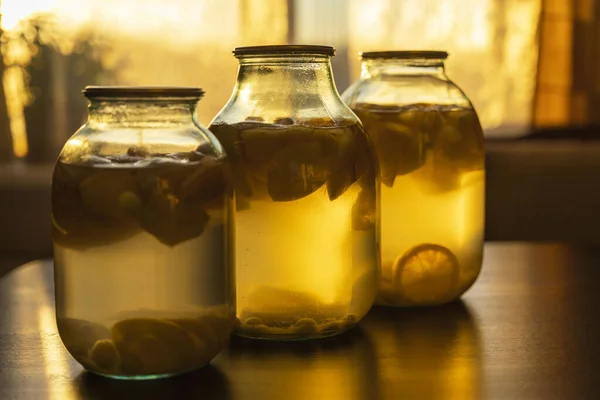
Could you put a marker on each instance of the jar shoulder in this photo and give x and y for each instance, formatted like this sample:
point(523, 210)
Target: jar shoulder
point(405, 90)
point(98, 141)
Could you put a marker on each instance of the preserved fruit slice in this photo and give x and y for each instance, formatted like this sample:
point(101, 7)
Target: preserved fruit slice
point(364, 210)
point(342, 154)
point(293, 159)
point(400, 149)
point(287, 311)
point(171, 220)
point(150, 346)
point(229, 136)
point(73, 225)
point(278, 302)
point(208, 184)
point(105, 356)
point(79, 336)
point(426, 274)
point(460, 142)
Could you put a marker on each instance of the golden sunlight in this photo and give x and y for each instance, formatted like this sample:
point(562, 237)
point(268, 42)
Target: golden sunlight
point(16, 99)
point(52, 48)
point(492, 45)
point(13, 11)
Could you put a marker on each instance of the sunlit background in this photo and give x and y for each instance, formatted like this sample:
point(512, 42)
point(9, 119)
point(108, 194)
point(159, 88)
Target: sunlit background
point(51, 49)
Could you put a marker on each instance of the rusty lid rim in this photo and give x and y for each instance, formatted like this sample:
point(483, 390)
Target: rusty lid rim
point(143, 91)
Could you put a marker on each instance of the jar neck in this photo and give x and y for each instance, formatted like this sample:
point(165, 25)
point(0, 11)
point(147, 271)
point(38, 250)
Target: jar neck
point(272, 78)
point(141, 112)
point(404, 67)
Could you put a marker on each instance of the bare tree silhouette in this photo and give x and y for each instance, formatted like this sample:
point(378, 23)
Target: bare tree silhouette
point(54, 77)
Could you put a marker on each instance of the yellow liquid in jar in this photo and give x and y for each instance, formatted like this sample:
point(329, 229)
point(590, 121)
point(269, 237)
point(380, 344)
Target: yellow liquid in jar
point(142, 264)
point(306, 243)
point(432, 200)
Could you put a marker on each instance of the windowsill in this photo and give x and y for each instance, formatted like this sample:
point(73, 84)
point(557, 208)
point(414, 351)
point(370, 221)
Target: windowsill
point(543, 190)
point(19, 174)
point(25, 207)
point(537, 189)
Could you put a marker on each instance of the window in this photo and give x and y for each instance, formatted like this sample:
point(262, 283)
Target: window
point(51, 49)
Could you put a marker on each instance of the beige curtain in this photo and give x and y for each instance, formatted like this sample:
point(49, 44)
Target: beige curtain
point(568, 84)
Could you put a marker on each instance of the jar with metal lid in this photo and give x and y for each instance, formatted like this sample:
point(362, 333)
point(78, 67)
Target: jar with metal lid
point(142, 222)
point(305, 181)
point(430, 147)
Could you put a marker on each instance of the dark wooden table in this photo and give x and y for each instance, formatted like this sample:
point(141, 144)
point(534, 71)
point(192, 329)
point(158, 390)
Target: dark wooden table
point(529, 329)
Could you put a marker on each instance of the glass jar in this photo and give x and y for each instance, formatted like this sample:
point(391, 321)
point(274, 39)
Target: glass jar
point(142, 208)
point(430, 147)
point(305, 183)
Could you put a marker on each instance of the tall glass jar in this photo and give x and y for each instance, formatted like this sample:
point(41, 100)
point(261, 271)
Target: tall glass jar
point(430, 147)
point(305, 183)
point(142, 210)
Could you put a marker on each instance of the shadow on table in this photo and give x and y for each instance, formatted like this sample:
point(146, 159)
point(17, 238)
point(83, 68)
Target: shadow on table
point(340, 367)
point(206, 383)
point(434, 352)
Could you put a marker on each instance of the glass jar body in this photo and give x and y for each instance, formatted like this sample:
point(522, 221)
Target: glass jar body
point(306, 194)
point(142, 217)
point(430, 147)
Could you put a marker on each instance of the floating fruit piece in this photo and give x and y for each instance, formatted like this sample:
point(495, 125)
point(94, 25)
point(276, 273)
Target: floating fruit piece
point(101, 191)
point(138, 151)
point(400, 150)
point(105, 356)
point(204, 149)
point(426, 275)
point(342, 156)
point(286, 183)
point(291, 179)
point(208, 183)
point(92, 159)
point(437, 176)
point(389, 108)
point(318, 122)
point(284, 121)
point(341, 179)
point(172, 220)
point(276, 306)
point(149, 346)
point(300, 168)
point(411, 117)
point(260, 147)
point(229, 136)
point(409, 146)
point(431, 123)
point(129, 203)
point(332, 326)
point(460, 142)
point(306, 326)
point(73, 224)
point(253, 321)
point(305, 150)
point(268, 298)
point(79, 336)
point(364, 210)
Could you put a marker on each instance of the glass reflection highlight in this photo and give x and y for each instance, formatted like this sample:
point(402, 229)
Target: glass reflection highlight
point(434, 352)
point(56, 362)
point(341, 367)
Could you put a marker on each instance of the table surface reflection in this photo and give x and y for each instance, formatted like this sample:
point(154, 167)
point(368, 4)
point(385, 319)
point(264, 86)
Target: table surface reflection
point(528, 330)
